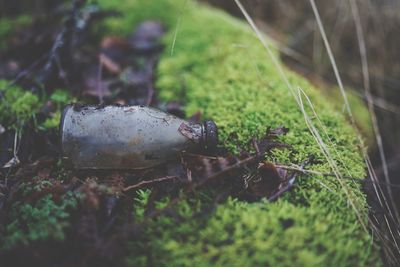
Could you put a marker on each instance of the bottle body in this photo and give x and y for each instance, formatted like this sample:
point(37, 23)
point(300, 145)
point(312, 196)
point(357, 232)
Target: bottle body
point(124, 137)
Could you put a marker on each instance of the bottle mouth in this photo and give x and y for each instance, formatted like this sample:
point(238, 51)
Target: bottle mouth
point(210, 136)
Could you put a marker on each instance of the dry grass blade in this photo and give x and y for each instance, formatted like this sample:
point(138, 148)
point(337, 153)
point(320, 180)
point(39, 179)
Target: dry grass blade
point(347, 105)
point(298, 98)
point(297, 168)
point(178, 23)
point(368, 95)
point(266, 46)
point(326, 151)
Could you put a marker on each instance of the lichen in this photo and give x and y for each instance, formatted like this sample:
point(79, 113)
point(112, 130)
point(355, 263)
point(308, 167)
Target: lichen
point(214, 63)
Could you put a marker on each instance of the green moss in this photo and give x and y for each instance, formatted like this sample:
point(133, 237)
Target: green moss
point(39, 221)
point(219, 67)
point(60, 98)
point(358, 108)
point(240, 234)
point(17, 106)
point(52, 122)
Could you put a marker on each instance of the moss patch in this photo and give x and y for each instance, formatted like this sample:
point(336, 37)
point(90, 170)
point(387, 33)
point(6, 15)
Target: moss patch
point(60, 98)
point(44, 219)
point(17, 106)
point(216, 65)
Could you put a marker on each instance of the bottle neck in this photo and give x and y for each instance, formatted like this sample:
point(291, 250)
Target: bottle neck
point(204, 135)
point(193, 131)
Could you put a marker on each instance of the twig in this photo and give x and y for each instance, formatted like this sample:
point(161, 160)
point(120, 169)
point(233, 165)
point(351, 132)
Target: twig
point(232, 167)
point(289, 184)
point(356, 179)
point(191, 186)
point(143, 183)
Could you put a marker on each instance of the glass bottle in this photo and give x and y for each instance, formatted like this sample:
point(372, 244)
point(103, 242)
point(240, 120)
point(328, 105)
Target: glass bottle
point(129, 137)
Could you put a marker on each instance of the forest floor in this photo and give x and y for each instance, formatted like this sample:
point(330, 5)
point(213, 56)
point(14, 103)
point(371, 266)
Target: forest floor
point(51, 215)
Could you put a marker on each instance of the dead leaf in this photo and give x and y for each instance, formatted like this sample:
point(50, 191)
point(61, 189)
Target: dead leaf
point(116, 50)
point(110, 65)
point(44, 173)
point(264, 181)
point(269, 141)
point(281, 130)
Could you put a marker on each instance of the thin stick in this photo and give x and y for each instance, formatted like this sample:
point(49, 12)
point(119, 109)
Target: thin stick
point(304, 171)
point(143, 183)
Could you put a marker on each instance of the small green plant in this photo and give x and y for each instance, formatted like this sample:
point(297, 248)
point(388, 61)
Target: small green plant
point(38, 220)
point(60, 98)
point(43, 220)
point(149, 250)
point(17, 106)
point(140, 203)
point(52, 122)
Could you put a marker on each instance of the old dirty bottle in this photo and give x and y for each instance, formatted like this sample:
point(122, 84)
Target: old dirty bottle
point(129, 137)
